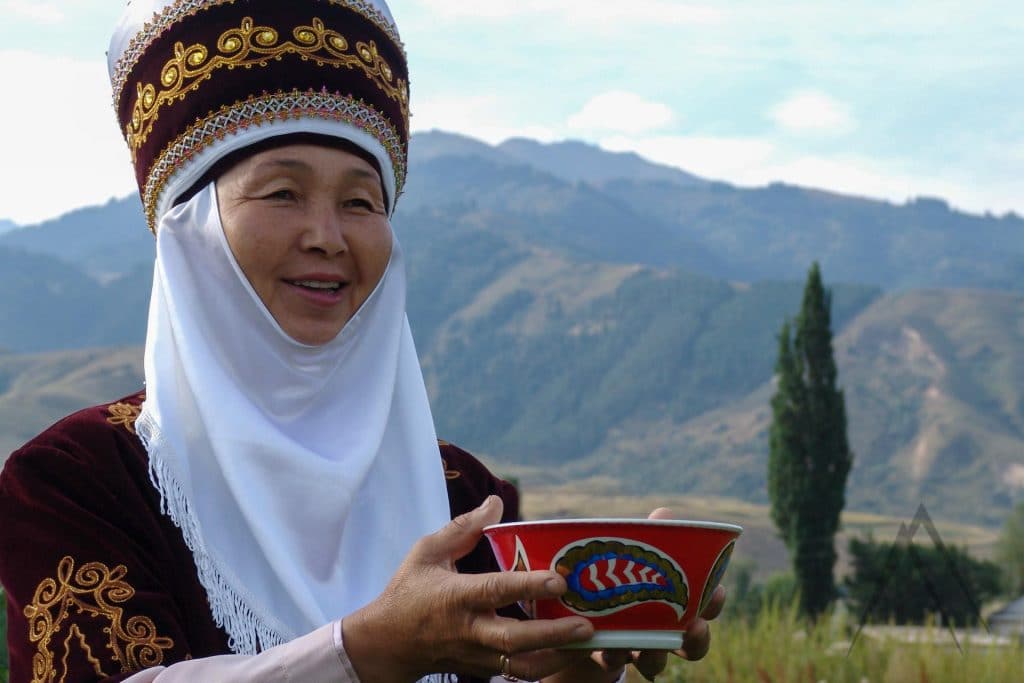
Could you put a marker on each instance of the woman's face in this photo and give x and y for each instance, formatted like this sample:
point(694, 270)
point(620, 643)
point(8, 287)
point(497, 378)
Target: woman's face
point(309, 228)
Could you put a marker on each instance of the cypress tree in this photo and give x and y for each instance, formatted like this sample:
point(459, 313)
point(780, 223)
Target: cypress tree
point(809, 456)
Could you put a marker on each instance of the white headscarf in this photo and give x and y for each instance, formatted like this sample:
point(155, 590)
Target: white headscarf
point(300, 476)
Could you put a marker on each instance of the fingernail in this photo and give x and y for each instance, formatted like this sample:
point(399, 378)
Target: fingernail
point(581, 629)
point(488, 503)
point(553, 586)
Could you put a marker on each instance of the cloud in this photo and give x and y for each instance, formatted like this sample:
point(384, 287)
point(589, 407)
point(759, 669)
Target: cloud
point(66, 151)
point(484, 117)
point(37, 11)
point(607, 13)
point(708, 156)
point(621, 112)
point(815, 112)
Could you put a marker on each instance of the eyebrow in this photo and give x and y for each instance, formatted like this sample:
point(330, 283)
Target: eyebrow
point(299, 164)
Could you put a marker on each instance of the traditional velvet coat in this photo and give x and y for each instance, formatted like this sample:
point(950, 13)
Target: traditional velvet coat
point(100, 583)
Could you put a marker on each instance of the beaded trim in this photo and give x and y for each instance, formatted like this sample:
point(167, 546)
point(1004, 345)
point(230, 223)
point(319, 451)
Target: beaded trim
point(265, 109)
point(180, 9)
point(250, 45)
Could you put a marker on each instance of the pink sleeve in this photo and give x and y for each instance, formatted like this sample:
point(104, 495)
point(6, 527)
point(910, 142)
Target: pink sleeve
point(318, 657)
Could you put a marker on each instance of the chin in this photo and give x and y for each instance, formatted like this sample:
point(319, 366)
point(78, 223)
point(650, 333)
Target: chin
point(312, 336)
point(314, 339)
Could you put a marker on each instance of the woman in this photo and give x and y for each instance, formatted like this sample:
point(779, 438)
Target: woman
point(276, 505)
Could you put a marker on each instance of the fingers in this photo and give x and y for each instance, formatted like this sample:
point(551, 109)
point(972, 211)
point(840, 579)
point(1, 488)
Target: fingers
point(611, 660)
point(536, 665)
point(662, 513)
point(457, 538)
point(714, 607)
point(650, 663)
point(513, 636)
point(497, 589)
point(697, 641)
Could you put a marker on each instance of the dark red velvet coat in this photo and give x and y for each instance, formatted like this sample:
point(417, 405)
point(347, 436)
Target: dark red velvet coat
point(100, 583)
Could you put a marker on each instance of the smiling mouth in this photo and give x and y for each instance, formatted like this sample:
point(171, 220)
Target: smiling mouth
point(328, 286)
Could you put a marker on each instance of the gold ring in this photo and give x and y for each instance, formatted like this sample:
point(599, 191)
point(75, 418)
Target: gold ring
point(505, 668)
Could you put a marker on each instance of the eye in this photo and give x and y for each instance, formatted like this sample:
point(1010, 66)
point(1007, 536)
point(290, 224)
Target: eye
point(280, 195)
point(359, 203)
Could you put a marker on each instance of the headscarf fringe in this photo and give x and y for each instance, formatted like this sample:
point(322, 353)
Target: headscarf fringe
point(247, 632)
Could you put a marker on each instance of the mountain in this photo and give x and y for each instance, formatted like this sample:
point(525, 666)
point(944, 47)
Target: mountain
point(555, 354)
point(574, 321)
point(571, 161)
point(772, 232)
point(7, 226)
point(579, 162)
point(103, 241)
point(555, 374)
point(538, 194)
point(50, 304)
point(38, 389)
point(932, 381)
point(429, 145)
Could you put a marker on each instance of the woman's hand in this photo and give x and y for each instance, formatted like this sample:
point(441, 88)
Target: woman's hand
point(607, 665)
point(432, 619)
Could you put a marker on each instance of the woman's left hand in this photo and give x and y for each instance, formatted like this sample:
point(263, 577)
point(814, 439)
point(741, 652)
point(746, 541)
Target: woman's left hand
point(607, 665)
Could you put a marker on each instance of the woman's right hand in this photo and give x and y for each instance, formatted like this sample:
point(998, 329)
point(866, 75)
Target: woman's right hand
point(432, 619)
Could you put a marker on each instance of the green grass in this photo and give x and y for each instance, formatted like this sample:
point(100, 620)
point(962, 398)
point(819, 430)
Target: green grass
point(779, 647)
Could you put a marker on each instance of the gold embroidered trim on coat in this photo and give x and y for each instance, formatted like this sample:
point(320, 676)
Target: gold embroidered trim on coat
point(256, 111)
point(176, 11)
point(449, 474)
point(251, 45)
point(124, 414)
point(96, 591)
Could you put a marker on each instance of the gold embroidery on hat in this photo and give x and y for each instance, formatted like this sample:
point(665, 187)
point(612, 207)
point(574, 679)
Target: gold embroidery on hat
point(123, 414)
point(93, 591)
point(256, 111)
point(176, 11)
point(251, 45)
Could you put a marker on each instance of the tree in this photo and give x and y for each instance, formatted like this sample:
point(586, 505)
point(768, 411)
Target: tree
point(809, 456)
point(905, 583)
point(1010, 552)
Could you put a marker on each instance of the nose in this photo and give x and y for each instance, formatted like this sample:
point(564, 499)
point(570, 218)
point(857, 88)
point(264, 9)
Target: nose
point(325, 232)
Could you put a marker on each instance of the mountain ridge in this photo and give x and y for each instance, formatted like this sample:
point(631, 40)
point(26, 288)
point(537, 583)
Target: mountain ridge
point(619, 327)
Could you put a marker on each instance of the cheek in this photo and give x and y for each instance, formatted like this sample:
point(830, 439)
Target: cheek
point(250, 246)
point(378, 253)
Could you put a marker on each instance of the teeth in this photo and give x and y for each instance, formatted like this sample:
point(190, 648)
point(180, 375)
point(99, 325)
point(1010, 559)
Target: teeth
point(318, 284)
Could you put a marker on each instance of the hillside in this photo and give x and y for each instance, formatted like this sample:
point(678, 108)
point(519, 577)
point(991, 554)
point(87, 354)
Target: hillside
point(932, 382)
point(595, 205)
point(38, 389)
point(583, 315)
point(48, 304)
point(933, 392)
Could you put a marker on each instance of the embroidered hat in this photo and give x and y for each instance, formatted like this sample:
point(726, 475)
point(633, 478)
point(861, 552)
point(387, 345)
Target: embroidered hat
point(196, 80)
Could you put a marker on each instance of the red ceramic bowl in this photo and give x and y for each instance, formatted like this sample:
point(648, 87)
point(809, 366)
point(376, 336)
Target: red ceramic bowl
point(640, 581)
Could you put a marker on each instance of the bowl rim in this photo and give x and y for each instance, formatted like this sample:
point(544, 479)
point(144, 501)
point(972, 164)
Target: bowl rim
point(580, 522)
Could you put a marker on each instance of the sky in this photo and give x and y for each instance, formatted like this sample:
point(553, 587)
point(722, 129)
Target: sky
point(888, 99)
